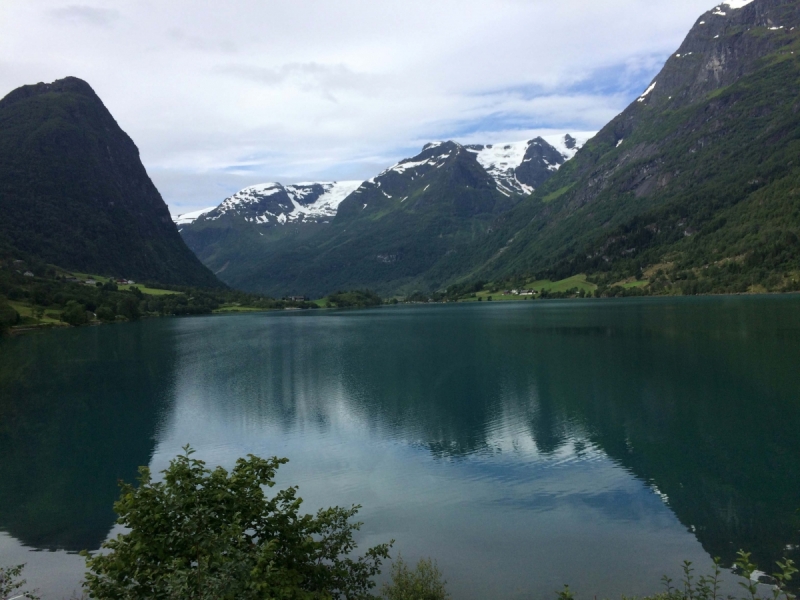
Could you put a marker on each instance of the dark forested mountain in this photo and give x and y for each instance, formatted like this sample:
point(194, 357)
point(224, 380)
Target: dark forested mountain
point(74, 193)
point(387, 233)
point(700, 175)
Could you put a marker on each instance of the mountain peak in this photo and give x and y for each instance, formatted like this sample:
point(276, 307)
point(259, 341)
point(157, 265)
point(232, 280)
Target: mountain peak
point(725, 43)
point(67, 85)
point(276, 204)
point(520, 167)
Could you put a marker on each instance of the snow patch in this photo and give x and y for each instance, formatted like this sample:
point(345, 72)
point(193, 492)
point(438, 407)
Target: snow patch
point(647, 91)
point(559, 142)
point(191, 217)
point(737, 4)
point(619, 143)
point(501, 160)
point(501, 157)
point(326, 205)
point(405, 166)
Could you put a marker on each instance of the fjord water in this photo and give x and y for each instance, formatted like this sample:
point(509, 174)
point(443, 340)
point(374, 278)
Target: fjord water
point(523, 445)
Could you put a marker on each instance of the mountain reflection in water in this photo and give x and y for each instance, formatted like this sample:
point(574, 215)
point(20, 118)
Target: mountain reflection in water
point(495, 438)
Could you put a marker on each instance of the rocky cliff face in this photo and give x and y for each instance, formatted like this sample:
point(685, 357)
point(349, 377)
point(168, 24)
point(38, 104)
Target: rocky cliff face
point(75, 193)
point(725, 44)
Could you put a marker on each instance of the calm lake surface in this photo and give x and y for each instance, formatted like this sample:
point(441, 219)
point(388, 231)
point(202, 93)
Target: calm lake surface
point(523, 445)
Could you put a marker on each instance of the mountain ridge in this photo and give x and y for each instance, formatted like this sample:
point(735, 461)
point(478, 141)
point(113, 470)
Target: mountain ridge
point(448, 187)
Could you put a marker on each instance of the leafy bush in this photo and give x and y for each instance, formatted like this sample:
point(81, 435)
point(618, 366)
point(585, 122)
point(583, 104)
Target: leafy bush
point(11, 584)
point(354, 298)
point(74, 314)
point(105, 313)
point(422, 583)
point(211, 534)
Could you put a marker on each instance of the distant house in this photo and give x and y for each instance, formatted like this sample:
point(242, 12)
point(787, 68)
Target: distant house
point(90, 282)
point(28, 274)
point(296, 298)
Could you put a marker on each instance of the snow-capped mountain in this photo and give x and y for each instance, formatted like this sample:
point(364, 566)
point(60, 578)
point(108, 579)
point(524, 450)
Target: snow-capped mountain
point(276, 204)
point(444, 173)
point(411, 215)
point(516, 167)
point(521, 167)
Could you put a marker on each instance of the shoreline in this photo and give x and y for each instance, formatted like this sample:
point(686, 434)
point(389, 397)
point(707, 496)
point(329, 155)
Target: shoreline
point(18, 331)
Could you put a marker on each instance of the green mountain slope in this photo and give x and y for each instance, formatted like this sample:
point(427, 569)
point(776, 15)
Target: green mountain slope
point(74, 193)
point(700, 174)
point(386, 235)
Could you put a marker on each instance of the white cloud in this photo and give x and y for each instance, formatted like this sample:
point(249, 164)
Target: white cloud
point(87, 15)
point(217, 95)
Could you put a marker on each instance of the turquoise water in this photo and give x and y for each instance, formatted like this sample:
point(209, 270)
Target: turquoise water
point(522, 445)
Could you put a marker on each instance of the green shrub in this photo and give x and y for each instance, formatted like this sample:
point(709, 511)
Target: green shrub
point(105, 313)
point(74, 314)
point(422, 583)
point(210, 534)
point(11, 583)
point(354, 299)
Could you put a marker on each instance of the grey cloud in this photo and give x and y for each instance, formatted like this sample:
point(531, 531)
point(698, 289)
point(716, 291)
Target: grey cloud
point(310, 76)
point(86, 14)
point(204, 44)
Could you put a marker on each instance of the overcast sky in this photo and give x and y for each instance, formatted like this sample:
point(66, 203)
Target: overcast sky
point(220, 95)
